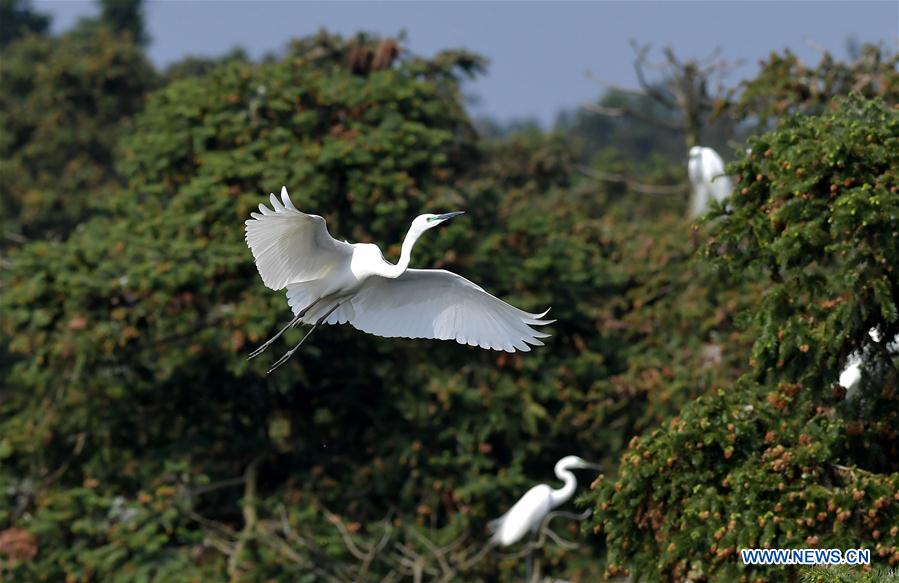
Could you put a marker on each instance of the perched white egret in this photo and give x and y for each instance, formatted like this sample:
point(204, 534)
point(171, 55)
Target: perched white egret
point(528, 513)
point(852, 373)
point(334, 282)
point(706, 171)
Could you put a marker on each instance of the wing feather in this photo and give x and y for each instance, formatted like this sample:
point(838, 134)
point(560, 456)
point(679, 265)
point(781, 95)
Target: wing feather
point(291, 246)
point(719, 184)
point(524, 516)
point(434, 303)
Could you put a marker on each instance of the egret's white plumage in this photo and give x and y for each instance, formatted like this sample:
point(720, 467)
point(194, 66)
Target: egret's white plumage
point(852, 373)
point(333, 282)
point(528, 513)
point(706, 171)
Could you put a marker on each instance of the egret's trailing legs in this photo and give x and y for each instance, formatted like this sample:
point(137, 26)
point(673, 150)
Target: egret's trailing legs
point(268, 342)
point(290, 324)
point(290, 352)
point(530, 560)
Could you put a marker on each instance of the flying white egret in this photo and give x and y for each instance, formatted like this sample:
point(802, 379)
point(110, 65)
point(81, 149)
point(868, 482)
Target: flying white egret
point(706, 171)
point(334, 282)
point(528, 513)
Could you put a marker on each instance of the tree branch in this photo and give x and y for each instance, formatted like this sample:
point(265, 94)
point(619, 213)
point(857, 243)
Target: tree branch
point(249, 518)
point(545, 532)
point(639, 62)
point(660, 189)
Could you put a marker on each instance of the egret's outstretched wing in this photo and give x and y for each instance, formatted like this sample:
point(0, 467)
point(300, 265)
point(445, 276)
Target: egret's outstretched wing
point(290, 246)
point(525, 515)
point(433, 303)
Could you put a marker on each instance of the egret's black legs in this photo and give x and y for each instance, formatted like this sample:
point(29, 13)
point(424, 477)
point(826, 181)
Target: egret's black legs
point(290, 352)
point(530, 559)
point(293, 322)
point(268, 342)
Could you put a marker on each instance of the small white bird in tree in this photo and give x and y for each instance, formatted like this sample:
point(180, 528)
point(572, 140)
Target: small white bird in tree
point(526, 515)
point(706, 171)
point(334, 282)
point(851, 375)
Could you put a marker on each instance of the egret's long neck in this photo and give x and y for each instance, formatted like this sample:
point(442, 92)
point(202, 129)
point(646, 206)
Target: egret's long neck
point(561, 495)
point(394, 271)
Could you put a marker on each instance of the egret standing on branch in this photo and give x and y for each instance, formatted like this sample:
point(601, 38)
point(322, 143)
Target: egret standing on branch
point(852, 373)
point(527, 514)
point(334, 282)
point(706, 171)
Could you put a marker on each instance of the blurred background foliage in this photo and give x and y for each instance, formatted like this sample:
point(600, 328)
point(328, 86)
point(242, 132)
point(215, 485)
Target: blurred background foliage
point(697, 362)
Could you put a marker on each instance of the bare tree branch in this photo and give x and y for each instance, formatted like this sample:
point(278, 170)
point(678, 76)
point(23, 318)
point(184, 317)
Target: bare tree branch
point(544, 532)
point(439, 554)
point(639, 63)
point(375, 549)
point(690, 87)
point(625, 111)
point(345, 535)
point(659, 189)
point(613, 86)
point(211, 487)
point(249, 517)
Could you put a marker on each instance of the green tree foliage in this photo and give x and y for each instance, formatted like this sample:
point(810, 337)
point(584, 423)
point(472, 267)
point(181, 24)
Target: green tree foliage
point(626, 137)
point(785, 85)
point(64, 104)
point(783, 457)
point(135, 429)
point(137, 442)
point(163, 303)
point(125, 15)
point(200, 66)
point(845, 574)
point(18, 19)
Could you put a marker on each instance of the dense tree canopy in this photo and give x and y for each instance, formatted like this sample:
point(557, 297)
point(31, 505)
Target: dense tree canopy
point(786, 85)
point(138, 443)
point(806, 464)
point(18, 19)
point(64, 104)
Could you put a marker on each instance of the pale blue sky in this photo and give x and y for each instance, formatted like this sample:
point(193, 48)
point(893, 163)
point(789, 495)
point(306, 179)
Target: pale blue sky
point(539, 51)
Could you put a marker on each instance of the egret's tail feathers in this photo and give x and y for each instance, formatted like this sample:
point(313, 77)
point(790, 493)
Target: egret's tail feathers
point(495, 528)
point(493, 525)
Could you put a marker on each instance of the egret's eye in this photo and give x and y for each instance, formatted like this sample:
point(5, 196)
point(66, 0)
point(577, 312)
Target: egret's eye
point(432, 219)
